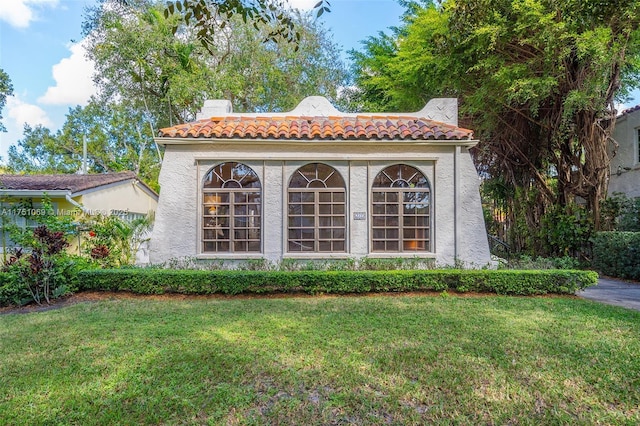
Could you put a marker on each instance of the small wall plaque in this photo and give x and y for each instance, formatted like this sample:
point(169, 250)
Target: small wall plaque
point(359, 215)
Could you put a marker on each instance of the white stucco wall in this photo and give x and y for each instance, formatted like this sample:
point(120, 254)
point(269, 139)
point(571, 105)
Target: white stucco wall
point(358, 200)
point(625, 168)
point(175, 228)
point(472, 241)
point(273, 201)
point(458, 225)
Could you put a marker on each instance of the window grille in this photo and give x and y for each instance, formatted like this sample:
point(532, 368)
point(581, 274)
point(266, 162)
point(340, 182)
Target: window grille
point(316, 210)
point(401, 212)
point(231, 205)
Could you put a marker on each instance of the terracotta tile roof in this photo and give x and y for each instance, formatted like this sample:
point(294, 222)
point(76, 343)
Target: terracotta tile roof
point(362, 127)
point(73, 183)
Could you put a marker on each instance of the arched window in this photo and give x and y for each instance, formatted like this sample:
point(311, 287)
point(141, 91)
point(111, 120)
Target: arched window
point(317, 210)
point(401, 210)
point(231, 205)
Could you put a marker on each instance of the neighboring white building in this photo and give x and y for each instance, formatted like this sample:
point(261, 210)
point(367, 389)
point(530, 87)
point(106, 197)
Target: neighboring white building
point(625, 166)
point(316, 183)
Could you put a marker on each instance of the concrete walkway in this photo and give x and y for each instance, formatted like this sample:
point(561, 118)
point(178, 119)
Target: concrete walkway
point(614, 292)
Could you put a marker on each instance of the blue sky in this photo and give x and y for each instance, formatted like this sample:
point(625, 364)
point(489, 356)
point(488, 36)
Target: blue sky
point(40, 49)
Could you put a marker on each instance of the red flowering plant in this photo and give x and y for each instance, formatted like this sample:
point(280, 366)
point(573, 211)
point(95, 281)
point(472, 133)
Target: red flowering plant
point(111, 241)
point(98, 240)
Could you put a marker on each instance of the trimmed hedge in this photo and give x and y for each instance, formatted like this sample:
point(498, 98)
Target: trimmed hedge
point(11, 294)
point(617, 254)
point(160, 281)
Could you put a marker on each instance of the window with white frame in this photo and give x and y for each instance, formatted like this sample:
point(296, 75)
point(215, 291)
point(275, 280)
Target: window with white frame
point(401, 210)
point(316, 210)
point(231, 209)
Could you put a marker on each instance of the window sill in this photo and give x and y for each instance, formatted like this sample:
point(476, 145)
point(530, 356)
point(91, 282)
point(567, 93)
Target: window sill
point(317, 256)
point(229, 256)
point(403, 255)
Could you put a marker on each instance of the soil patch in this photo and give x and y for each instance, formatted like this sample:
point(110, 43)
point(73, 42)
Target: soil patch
point(97, 296)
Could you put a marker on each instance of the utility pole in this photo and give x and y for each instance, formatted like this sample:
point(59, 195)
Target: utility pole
point(84, 155)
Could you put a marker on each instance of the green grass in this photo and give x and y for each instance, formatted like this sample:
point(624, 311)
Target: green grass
point(325, 360)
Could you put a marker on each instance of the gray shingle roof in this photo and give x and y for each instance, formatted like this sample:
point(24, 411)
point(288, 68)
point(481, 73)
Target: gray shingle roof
point(73, 183)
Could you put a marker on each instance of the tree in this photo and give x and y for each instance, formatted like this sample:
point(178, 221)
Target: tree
point(6, 89)
point(143, 60)
point(151, 76)
point(33, 153)
point(537, 80)
point(117, 138)
point(209, 17)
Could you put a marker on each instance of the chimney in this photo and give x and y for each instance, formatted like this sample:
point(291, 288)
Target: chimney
point(215, 108)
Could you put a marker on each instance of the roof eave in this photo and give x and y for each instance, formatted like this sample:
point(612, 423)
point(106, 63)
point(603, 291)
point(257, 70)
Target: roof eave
point(164, 141)
point(132, 181)
point(56, 193)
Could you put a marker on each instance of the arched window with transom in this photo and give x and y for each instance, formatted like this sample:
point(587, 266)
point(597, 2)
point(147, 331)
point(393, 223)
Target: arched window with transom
point(401, 210)
point(231, 205)
point(316, 210)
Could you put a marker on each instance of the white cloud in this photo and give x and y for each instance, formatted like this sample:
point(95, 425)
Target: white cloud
point(20, 13)
point(21, 112)
point(73, 76)
point(303, 4)
point(15, 114)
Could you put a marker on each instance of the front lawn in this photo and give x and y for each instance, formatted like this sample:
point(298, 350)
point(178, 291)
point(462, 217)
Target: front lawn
point(322, 360)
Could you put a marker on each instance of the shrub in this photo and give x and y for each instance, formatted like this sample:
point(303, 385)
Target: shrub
point(384, 264)
point(40, 269)
point(12, 291)
point(565, 231)
point(159, 281)
point(630, 217)
point(289, 264)
point(620, 213)
point(43, 270)
point(527, 262)
point(112, 241)
point(617, 253)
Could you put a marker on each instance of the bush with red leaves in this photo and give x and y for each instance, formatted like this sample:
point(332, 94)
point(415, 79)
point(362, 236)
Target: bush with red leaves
point(40, 269)
point(100, 252)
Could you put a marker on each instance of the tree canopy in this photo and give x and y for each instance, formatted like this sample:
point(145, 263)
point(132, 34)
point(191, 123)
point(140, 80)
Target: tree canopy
point(142, 60)
point(118, 138)
point(6, 89)
point(209, 17)
point(537, 81)
point(153, 71)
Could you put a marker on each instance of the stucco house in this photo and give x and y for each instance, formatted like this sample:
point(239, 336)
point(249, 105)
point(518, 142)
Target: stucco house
point(120, 193)
point(316, 183)
point(625, 166)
